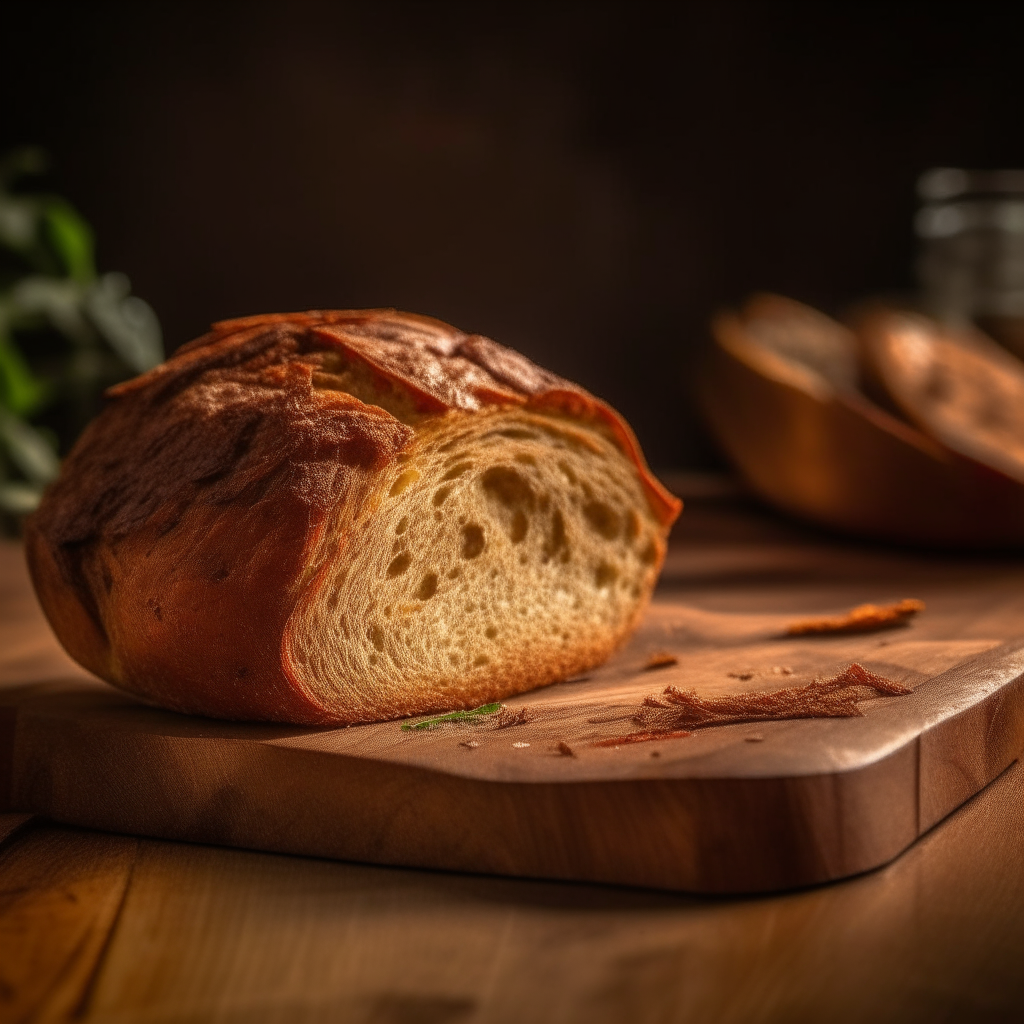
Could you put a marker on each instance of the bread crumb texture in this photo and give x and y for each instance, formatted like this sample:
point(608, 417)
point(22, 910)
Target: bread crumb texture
point(865, 618)
point(339, 517)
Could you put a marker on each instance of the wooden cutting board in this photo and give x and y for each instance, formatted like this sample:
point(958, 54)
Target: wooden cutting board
point(735, 808)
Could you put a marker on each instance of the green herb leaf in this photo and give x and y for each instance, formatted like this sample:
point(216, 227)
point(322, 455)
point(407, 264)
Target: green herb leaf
point(455, 716)
point(71, 239)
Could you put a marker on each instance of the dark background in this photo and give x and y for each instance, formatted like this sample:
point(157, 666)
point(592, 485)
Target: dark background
point(586, 183)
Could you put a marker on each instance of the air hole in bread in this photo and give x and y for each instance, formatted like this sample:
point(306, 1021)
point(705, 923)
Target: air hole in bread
point(514, 497)
point(472, 540)
point(519, 527)
point(459, 439)
point(403, 525)
point(513, 434)
point(399, 564)
point(456, 471)
point(556, 543)
point(440, 494)
point(428, 587)
point(605, 575)
point(508, 488)
point(376, 637)
point(573, 440)
point(402, 481)
point(602, 519)
point(632, 526)
point(491, 632)
point(649, 554)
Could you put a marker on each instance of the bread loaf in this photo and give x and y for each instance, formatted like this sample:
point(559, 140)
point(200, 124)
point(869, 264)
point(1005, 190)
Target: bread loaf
point(340, 517)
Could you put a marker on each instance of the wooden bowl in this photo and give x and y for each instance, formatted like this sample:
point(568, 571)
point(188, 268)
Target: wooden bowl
point(809, 442)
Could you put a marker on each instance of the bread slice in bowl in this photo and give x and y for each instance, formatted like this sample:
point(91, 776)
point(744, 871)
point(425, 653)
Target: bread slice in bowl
point(952, 382)
point(340, 517)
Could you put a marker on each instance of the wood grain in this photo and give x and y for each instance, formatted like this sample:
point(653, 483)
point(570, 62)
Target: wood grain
point(225, 935)
point(60, 895)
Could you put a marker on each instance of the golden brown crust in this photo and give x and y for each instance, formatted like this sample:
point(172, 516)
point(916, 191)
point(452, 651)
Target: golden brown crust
point(192, 513)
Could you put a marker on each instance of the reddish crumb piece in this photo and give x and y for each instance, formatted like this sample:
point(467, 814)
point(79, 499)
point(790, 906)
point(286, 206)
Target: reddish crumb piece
point(862, 619)
point(643, 737)
point(676, 713)
point(506, 718)
point(660, 659)
point(824, 698)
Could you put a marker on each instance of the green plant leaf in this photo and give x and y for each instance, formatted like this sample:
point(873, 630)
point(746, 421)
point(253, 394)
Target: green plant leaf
point(21, 392)
point(17, 498)
point(455, 716)
point(18, 219)
point(72, 239)
point(54, 299)
point(126, 322)
point(28, 448)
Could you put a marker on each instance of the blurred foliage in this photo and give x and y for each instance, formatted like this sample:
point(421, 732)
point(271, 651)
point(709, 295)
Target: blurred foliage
point(66, 334)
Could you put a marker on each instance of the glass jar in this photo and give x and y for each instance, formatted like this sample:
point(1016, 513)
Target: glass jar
point(971, 263)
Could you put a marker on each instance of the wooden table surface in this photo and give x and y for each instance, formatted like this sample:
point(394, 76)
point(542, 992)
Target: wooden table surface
point(97, 927)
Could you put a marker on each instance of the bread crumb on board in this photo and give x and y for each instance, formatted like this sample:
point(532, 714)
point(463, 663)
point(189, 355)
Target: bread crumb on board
point(660, 659)
point(863, 619)
point(643, 737)
point(564, 749)
point(506, 717)
point(676, 713)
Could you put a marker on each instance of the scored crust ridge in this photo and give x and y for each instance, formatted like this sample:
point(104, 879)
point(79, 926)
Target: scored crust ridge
point(340, 517)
